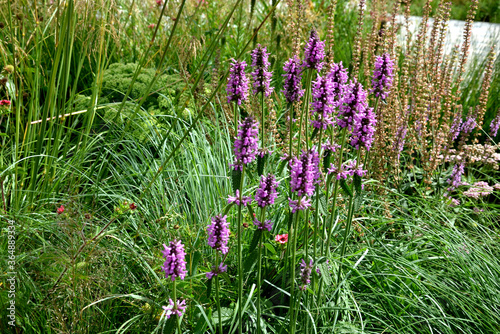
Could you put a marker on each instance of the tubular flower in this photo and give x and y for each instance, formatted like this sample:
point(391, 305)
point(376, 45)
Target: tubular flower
point(495, 125)
point(322, 105)
point(300, 204)
point(217, 270)
point(399, 143)
point(305, 273)
point(175, 308)
point(338, 77)
point(266, 225)
point(5, 103)
point(237, 85)
point(218, 234)
point(455, 126)
point(305, 172)
point(455, 179)
point(293, 76)
point(246, 142)
point(175, 263)
point(266, 193)
point(382, 76)
point(354, 103)
point(469, 124)
point(261, 75)
point(364, 129)
point(239, 200)
point(314, 52)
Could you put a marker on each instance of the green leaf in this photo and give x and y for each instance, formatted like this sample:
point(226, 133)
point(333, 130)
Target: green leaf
point(357, 183)
point(270, 247)
point(236, 179)
point(196, 260)
point(345, 187)
point(209, 288)
point(261, 162)
point(255, 239)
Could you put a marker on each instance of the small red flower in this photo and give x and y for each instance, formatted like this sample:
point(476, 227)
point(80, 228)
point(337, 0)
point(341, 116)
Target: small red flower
point(5, 103)
point(159, 2)
point(60, 209)
point(132, 206)
point(152, 26)
point(281, 238)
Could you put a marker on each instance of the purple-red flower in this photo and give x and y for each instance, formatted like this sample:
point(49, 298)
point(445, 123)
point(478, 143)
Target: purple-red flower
point(495, 125)
point(218, 234)
point(314, 52)
point(281, 238)
point(239, 200)
point(266, 193)
point(265, 225)
point(305, 172)
point(5, 103)
point(292, 83)
point(455, 179)
point(60, 209)
point(382, 76)
point(323, 99)
point(354, 103)
point(175, 308)
point(305, 273)
point(364, 129)
point(338, 77)
point(261, 75)
point(175, 263)
point(301, 204)
point(217, 270)
point(246, 142)
point(237, 85)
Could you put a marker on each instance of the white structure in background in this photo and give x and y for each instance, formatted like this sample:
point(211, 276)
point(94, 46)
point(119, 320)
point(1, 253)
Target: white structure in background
point(483, 36)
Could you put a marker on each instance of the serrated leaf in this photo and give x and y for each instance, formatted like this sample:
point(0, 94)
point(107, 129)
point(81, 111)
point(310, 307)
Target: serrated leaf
point(281, 167)
point(255, 239)
point(196, 260)
point(236, 179)
point(261, 162)
point(314, 133)
point(326, 161)
point(226, 315)
point(345, 187)
point(357, 183)
point(270, 247)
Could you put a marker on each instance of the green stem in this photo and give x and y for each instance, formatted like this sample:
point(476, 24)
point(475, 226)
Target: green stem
point(259, 273)
point(263, 139)
point(235, 119)
point(290, 133)
point(305, 111)
point(178, 324)
point(217, 293)
point(293, 237)
point(240, 260)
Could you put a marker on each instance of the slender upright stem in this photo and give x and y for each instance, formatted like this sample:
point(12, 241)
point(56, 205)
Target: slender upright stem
point(305, 111)
point(177, 322)
point(217, 293)
point(259, 272)
point(290, 130)
point(235, 118)
point(293, 238)
point(240, 260)
point(262, 124)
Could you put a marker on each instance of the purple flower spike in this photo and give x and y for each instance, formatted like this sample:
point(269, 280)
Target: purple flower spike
point(382, 76)
point(364, 129)
point(175, 263)
point(218, 234)
point(399, 143)
point(338, 77)
point(354, 103)
point(314, 52)
point(266, 193)
point(177, 309)
point(305, 273)
point(293, 76)
point(237, 85)
point(246, 143)
point(323, 99)
point(216, 271)
point(304, 204)
point(305, 172)
point(266, 225)
point(455, 179)
point(495, 125)
point(469, 124)
point(455, 126)
point(261, 75)
point(239, 200)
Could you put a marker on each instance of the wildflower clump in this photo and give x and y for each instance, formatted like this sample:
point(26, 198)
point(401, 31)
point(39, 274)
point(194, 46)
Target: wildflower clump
point(382, 76)
point(266, 193)
point(292, 83)
point(246, 143)
point(237, 85)
point(175, 263)
point(314, 52)
point(218, 234)
point(261, 74)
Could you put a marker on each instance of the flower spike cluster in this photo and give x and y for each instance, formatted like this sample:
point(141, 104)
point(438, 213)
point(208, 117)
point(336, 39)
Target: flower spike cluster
point(265, 225)
point(354, 103)
point(338, 77)
point(292, 83)
point(495, 125)
point(217, 270)
point(305, 273)
point(314, 52)
point(237, 85)
point(175, 263)
point(239, 200)
point(261, 75)
point(218, 234)
point(266, 193)
point(364, 129)
point(382, 76)
point(246, 142)
point(323, 99)
point(305, 174)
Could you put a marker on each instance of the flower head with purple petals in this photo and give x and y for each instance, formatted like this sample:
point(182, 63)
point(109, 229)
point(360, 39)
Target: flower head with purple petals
point(265, 225)
point(292, 83)
point(338, 77)
point(305, 273)
point(218, 234)
point(246, 142)
point(495, 125)
point(455, 126)
point(305, 172)
point(266, 193)
point(261, 75)
point(300, 204)
point(354, 103)
point(217, 270)
point(175, 263)
point(314, 52)
point(177, 309)
point(455, 179)
point(382, 76)
point(239, 200)
point(364, 129)
point(237, 85)
point(323, 99)
point(469, 124)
